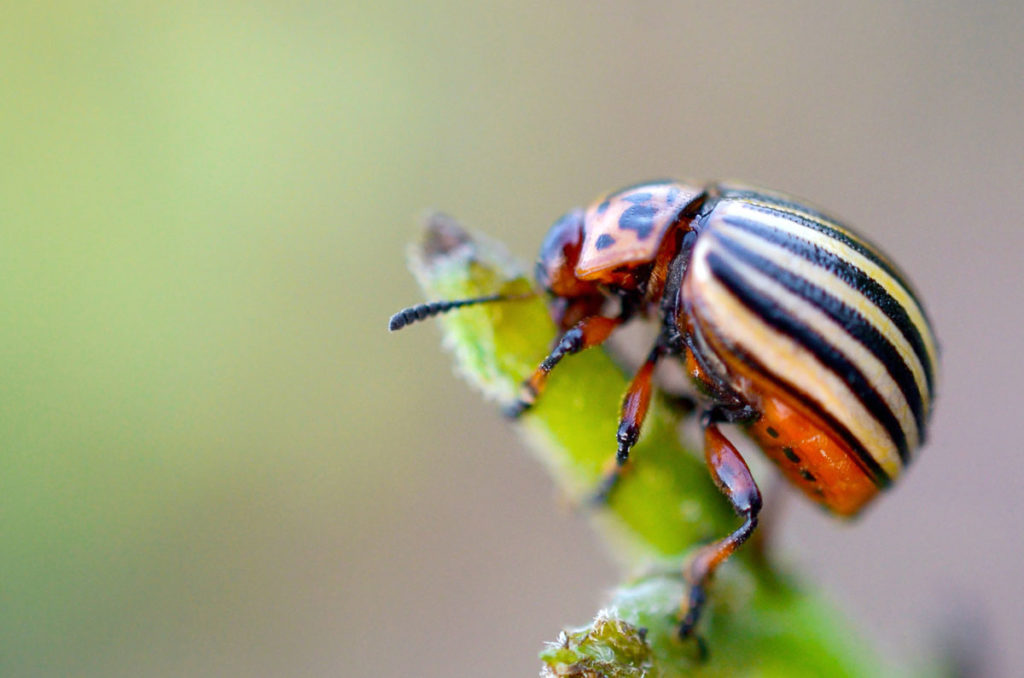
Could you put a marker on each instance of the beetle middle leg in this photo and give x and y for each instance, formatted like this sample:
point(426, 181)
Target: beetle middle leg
point(635, 404)
point(733, 478)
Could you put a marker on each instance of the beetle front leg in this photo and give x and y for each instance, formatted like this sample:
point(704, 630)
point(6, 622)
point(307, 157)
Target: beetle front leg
point(634, 410)
point(732, 476)
point(587, 333)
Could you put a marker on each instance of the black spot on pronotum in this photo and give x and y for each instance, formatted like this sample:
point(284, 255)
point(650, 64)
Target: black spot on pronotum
point(772, 432)
point(602, 207)
point(604, 241)
point(807, 475)
point(790, 454)
point(638, 218)
point(637, 198)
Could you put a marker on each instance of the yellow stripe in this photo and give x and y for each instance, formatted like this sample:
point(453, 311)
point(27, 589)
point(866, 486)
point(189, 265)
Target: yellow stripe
point(822, 221)
point(736, 324)
point(893, 286)
point(831, 283)
point(828, 329)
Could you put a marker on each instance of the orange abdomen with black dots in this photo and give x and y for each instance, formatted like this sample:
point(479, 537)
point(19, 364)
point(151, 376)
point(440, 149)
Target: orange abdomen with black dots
point(811, 459)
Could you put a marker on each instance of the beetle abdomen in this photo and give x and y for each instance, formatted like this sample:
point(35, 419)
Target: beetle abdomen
point(804, 302)
point(809, 454)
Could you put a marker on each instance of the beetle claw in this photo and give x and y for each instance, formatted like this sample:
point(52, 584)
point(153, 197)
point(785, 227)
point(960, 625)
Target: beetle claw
point(516, 409)
point(599, 498)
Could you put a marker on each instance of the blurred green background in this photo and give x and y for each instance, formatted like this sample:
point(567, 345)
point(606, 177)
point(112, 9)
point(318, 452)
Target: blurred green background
point(216, 462)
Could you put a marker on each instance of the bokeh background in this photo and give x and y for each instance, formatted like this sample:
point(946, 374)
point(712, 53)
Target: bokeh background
point(214, 461)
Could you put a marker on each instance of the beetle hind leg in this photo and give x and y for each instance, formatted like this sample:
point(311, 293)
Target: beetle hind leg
point(733, 478)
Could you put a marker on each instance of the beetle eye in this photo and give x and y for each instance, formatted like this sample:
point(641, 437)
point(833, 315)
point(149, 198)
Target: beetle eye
point(560, 249)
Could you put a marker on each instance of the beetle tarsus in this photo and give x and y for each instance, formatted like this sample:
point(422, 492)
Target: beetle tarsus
point(685, 630)
point(694, 606)
point(627, 436)
point(515, 410)
point(591, 331)
point(601, 496)
point(634, 409)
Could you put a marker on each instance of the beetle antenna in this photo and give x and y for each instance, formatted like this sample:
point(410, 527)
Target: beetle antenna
point(408, 316)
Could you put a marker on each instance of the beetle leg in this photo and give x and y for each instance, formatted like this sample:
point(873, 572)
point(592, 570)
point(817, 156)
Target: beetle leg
point(587, 333)
point(768, 520)
point(634, 409)
point(733, 478)
point(729, 414)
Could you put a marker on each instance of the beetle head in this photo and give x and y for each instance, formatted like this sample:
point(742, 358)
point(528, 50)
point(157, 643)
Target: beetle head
point(559, 253)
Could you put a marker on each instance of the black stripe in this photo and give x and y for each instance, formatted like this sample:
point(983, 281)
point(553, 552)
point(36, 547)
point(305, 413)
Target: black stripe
point(852, 276)
point(766, 308)
point(847, 317)
point(786, 209)
point(847, 235)
point(863, 458)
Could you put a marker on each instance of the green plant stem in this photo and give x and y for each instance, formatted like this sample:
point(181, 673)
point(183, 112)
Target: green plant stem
point(759, 621)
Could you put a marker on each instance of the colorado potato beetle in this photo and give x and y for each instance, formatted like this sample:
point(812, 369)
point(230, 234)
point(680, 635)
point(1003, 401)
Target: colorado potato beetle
point(789, 323)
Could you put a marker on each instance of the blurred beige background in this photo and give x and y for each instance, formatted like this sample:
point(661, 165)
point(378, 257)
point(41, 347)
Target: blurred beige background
point(215, 460)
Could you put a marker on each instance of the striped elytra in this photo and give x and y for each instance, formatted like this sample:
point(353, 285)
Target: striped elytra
point(799, 310)
point(793, 326)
